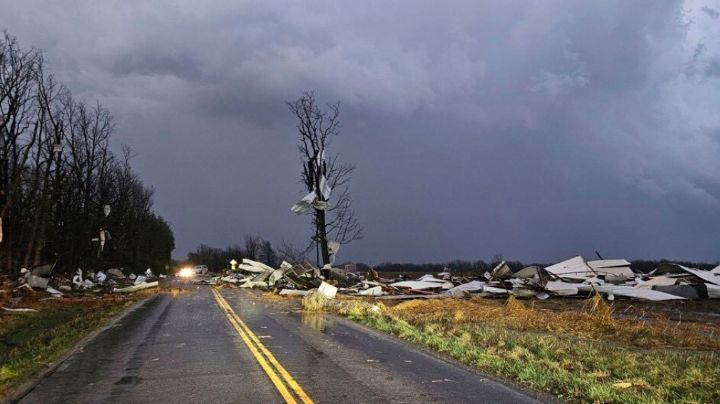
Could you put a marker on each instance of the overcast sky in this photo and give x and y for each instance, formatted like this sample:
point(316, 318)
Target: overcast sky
point(535, 129)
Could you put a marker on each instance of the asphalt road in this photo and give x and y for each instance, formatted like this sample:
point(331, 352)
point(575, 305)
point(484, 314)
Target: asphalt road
point(186, 349)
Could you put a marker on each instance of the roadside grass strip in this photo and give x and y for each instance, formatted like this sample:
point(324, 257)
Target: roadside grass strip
point(33, 341)
point(279, 376)
point(583, 354)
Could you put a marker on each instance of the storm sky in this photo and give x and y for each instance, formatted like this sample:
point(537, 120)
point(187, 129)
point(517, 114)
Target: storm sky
point(535, 129)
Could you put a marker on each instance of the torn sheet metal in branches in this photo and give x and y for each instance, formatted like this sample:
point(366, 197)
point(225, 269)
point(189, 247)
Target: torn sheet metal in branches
point(320, 195)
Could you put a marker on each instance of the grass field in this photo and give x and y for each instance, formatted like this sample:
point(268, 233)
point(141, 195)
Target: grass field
point(579, 354)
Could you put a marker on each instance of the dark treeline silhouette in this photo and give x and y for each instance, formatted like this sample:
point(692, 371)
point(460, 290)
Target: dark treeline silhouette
point(63, 192)
point(259, 249)
point(480, 266)
point(254, 247)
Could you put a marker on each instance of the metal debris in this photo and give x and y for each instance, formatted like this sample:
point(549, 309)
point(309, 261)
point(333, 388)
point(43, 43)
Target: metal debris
point(574, 277)
point(135, 288)
point(20, 310)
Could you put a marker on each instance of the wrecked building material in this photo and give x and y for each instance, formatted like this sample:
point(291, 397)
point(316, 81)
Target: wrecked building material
point(293, 292)
point(304, 204)
point(676, 269)
point(690, 292)
point(374, 291)
point(19, 310)
point(524, 292)
point(713, 291)
point(254, 266)
point(573, 277)
point(54, 292)
point(135, 288)
point(327, 290)
point(411, 297)
point(501, 271)
point(36, 281)
point(275, 276)
point(491, 290)
point(706, 276)
point(41, 270)
point(616, 268)
point(657, 281)
point(637, 293)
point(527, 272)
point(465, 288)
point(229, 279)
point(574, 268)
point(115, 273)
point(561, 288)
point(425, 282)
point(254, 284)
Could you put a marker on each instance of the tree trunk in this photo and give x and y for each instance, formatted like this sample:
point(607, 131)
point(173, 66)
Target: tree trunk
point(322, 239)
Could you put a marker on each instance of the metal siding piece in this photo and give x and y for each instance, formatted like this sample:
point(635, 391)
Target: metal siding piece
point(575, 268)
point(638, 293)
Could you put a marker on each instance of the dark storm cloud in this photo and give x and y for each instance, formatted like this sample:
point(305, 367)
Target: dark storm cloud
point(147, 62)
point(711, 12)
point(535, 129)
point(713, 67)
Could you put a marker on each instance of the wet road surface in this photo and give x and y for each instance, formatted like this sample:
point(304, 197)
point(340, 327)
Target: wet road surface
point(185, 349)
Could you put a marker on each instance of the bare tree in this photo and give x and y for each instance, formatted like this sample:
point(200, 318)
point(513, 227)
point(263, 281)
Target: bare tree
point(57, 173)
point(253, 246)
point(333, 220)
point(290, 253)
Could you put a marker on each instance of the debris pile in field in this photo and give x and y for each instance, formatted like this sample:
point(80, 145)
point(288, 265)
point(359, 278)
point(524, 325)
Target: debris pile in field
point(253, 274)
point(42, 282)
point(574, 277)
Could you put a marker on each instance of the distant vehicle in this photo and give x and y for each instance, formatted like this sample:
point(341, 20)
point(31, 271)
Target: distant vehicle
point(188, 272)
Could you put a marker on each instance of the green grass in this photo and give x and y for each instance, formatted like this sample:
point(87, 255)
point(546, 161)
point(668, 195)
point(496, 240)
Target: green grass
point(568, 367)
point(31, 341)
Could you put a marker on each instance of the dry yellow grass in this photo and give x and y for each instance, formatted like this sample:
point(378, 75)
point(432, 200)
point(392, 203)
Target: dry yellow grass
point(314, 302)
point(593, 319)
point(272, 295)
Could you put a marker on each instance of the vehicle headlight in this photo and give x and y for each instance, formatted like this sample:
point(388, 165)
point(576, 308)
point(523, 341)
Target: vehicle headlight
point(186, 273)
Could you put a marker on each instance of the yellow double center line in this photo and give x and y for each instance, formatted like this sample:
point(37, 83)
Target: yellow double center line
point(275, 371)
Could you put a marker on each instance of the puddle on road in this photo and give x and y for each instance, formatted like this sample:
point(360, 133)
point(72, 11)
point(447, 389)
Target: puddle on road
point(128, 380)
point(315, 321)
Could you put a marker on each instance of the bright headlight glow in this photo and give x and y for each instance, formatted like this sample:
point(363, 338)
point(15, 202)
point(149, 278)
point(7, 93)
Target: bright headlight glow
point(186, 273)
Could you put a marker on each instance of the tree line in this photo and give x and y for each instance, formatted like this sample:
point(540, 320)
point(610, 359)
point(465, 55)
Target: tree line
point(457, 266)
point(481, 266)
point(255, 248)
point(65, 196)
